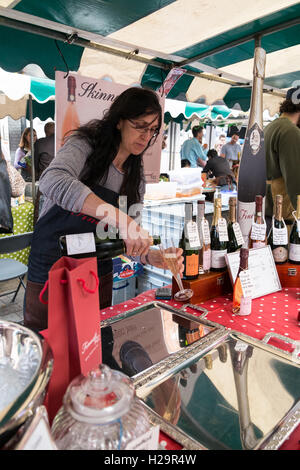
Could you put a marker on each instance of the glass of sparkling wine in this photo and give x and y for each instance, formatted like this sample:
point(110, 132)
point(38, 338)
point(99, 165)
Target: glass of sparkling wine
point(168, 252)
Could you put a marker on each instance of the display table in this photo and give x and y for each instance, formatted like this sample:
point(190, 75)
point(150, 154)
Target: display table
point(23, 222)
point(275, 313)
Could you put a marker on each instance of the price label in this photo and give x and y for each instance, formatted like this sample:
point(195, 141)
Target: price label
point(205, 232)
point(238, 233)
point(246, 283)
point(222, 229)
point(280, 236)
point(148, 441)
point(258, 231)
point(80, 243)
point(193, 234)
point(240, 346)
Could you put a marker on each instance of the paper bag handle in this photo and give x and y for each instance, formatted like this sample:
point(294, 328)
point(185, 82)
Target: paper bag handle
point(63, 281)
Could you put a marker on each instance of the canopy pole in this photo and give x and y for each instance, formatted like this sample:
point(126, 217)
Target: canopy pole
point(32, 149)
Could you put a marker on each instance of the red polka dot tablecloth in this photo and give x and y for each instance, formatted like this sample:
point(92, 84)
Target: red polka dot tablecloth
point(275, 313)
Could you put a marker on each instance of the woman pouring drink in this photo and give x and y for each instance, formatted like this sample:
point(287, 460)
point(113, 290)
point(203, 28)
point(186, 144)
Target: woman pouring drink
point(98, 162)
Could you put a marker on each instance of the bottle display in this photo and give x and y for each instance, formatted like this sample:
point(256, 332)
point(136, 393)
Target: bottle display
point(253, 159)
point(278, 236)
point(204, 234)
point(235, 237)
point(84, 245)
point(71, 119)
point(242, 303)
point(219, 238)
point(258, 234)
point(294, 249)
point(190, 244)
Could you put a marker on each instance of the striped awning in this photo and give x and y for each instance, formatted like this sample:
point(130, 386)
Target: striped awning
point(138, 42)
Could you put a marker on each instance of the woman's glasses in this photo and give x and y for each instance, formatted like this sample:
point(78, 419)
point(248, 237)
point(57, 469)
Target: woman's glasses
point(154, 131)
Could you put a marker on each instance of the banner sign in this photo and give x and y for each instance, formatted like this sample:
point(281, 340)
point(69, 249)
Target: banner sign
point(80, 99)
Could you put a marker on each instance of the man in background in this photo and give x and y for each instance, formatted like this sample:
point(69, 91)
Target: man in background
point(44, 150)
point(218, 168)
point(282, 145)
point(192, 149)
point(232, 149)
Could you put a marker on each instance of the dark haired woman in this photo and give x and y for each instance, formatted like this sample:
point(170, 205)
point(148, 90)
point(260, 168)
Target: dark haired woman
point(24, 150)
point(98, 163)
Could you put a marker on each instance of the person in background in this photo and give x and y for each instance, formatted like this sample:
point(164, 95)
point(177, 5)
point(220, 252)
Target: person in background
point(282, 145)
point(99, 162)
point(220, 142)
point(218, 168)
point(231, 150)
point(44, 150)
point(23, 154)
point(185, 164)
point(192, 149)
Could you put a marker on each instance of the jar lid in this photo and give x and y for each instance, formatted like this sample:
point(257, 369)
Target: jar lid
point(102, 397)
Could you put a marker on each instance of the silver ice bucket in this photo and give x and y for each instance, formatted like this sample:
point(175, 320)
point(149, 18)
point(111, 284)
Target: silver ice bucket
point(25, 368)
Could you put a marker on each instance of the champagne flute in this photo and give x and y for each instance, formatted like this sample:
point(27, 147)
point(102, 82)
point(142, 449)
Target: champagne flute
point(169, 256)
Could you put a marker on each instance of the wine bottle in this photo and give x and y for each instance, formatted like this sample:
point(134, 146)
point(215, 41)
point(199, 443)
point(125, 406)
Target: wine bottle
point(219, 239)
point(190, 244)
point(204, 234)
point(253, 159)
point(241, 303)
point(294, 250)
point(84, 245)
point(278, 236)
point(258, 234)
point(71, 119)
point(235, 237)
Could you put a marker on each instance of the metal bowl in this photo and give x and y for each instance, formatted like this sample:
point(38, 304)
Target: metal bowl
point(25, 368)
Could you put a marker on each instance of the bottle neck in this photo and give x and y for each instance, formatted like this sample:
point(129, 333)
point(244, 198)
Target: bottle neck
point(278, 211)
point(298, 208)
point(258, 212)
point(256, 108)
point(217, 214)
point(188, 212)
point(201, 211)
point(232, 213)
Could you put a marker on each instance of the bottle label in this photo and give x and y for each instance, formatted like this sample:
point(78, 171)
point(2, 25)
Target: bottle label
point(238, 233)
point(192, 234)
point(246, 283)
point(222, 229)
point(80, 243)
point(246, 306)
point(280, 254)
point(207, 259)
point(280, 235)
point(258, 231)
point(218, 259)
point(192, 265)
point(294, 253)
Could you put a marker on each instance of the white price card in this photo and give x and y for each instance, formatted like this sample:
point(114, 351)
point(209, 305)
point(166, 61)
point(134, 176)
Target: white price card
point(193, 234)
point(258, 231)
point(205, 232)
point(148, 441)
point(238, 233)
point(222, 229)
point(240, 346)
point(38, 435)
point(261, 267)
point(80, 243)
point(247, 284)
point(280, 236)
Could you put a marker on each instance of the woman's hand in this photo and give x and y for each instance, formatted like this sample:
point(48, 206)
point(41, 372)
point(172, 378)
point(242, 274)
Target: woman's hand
point(155, 259)
point(137, 240)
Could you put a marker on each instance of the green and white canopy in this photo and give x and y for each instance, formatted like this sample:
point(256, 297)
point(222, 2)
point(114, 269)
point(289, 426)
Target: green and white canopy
point(138, 41)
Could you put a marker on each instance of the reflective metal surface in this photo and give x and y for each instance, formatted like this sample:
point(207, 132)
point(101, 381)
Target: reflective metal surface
point(241, 394)
point(25, 369)
point(142, 342)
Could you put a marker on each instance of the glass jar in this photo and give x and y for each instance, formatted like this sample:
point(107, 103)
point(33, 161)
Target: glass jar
point(99, 412)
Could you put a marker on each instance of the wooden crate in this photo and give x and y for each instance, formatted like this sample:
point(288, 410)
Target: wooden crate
point(207, 286)
point(289, 274)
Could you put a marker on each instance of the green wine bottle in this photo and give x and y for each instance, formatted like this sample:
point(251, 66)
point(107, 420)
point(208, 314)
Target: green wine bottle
point(294, 250)
point(84, 245)
point(278, 236)
point(190, 244)
point(218, 247)
point(234, 231)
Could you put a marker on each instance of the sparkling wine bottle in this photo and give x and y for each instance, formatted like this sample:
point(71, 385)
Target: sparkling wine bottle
point(241, 304)
point(252, 169)
point(235, 238)
point(71, 119)
point(258, 233)
point(190, 244)
point(84, 245)
point(204, 234)
point(294, 250)
point(278, 236)
point(219, 238)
